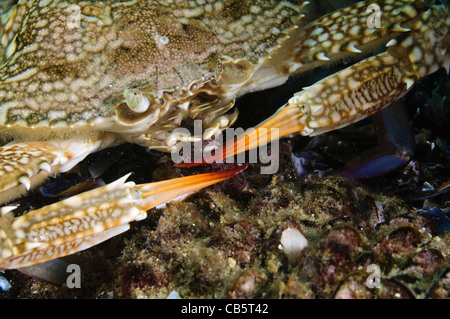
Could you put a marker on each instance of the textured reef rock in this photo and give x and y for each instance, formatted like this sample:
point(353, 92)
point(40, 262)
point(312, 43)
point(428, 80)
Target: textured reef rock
point(227, 244)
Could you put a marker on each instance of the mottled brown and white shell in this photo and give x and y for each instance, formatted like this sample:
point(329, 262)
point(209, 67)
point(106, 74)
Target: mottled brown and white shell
point(134, 68)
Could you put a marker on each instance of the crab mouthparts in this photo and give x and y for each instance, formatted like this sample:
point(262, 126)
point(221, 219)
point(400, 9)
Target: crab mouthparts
point(284, 122)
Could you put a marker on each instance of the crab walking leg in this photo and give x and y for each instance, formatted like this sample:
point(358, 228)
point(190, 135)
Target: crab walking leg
point(87, 219)
point(26, 165)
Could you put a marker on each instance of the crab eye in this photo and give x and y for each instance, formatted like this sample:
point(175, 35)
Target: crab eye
point(136, 101)
point(136, 107)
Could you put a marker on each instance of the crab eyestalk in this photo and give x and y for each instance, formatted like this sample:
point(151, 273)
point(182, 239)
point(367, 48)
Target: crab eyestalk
point(87, 219)
point(136, 101)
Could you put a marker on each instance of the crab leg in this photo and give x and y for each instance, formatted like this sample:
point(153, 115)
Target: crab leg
point(84, 220)
point(334, 102)
point(361, 89)
point(26, 165)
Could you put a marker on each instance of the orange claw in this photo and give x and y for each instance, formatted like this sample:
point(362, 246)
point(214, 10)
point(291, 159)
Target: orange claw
point(154, 194)
point(89, 218)
point(284, 122)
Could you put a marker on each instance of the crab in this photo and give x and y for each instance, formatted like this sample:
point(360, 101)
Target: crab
point(77, 77)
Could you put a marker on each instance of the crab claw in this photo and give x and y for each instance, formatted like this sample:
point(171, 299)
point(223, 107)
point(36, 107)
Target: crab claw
point(287, 120)
point(361, 89)
point(87, 219)
point(159, 193)
point(338, 100)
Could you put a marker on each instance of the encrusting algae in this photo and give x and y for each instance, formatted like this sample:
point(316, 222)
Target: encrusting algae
point(227, 245)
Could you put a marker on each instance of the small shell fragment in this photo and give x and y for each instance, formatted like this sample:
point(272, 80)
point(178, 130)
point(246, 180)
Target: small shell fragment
point(292, 243)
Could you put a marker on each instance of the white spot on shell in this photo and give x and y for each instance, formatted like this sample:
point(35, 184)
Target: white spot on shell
point(163, 39)
point(416, 55)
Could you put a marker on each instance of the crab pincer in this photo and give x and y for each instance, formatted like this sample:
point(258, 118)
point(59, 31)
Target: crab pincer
point(87, 219)
point(363, 88)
